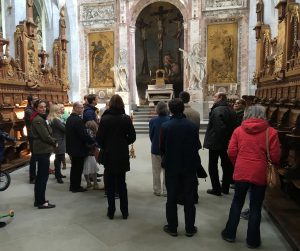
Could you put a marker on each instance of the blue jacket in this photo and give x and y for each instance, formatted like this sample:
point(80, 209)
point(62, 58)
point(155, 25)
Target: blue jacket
point(154, 131)
point(89, 113)
point(179, 146)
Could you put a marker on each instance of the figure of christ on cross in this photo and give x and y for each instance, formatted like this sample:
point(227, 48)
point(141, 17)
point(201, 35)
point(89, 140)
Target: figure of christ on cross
point(161, 32)
point(143, 26)
point(178, 20)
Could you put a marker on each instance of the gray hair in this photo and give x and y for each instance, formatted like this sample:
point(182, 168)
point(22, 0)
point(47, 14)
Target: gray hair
point(255, 112)
point(77, 103)
point(162, 108)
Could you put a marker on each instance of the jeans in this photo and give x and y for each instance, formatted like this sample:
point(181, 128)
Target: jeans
point(57, 164)
point(214, 173)
point(175, 183)
point(257, 196)
point(113, 181)
point(43, 161)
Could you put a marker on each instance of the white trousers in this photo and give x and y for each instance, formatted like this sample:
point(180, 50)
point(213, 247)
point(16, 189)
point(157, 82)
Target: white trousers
point(157, 170)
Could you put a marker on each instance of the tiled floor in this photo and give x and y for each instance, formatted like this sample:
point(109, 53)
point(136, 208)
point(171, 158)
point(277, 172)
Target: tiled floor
point(79, 221)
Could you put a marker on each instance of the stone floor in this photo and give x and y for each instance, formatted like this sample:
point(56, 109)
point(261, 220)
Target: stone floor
point(79, 221)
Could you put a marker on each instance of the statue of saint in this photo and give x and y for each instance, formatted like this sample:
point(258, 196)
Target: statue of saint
point(121, 73)
point(260, 11)
point(62, 24)
point(194, 67)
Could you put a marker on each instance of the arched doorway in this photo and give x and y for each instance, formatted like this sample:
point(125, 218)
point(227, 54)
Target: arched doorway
point(158, 37)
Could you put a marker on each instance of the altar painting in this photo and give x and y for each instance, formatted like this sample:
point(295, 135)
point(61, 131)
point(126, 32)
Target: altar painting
point(101, 59)
point(222, 47)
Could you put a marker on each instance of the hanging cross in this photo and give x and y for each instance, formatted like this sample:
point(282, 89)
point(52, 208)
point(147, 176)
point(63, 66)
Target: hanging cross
point(161, 31)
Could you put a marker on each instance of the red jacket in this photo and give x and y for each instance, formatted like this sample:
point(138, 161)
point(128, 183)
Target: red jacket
point(247, 151)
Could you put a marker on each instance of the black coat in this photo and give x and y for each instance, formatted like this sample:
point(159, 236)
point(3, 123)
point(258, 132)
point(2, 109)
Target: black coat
point(179, 146)
point(77, 138)
point(222, 122)
point(115, 133)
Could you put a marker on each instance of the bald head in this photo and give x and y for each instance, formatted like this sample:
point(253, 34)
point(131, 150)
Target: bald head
point(78, 107)
point(219, 96)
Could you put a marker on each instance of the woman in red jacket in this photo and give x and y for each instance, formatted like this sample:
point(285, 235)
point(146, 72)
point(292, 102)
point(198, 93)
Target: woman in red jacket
point(247, 151)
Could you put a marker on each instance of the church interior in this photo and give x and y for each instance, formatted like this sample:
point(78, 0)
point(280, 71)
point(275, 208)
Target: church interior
point(146, 51)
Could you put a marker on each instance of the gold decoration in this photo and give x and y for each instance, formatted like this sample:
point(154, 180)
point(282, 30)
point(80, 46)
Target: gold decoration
point(222, 47)
point(101, 59)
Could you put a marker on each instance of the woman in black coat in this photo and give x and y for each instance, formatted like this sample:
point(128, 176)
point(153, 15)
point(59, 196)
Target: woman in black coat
point(115, 133)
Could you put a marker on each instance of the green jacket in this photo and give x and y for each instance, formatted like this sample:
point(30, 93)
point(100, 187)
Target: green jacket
point(43, 142)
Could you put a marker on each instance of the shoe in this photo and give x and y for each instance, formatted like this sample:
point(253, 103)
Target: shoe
point(245, 214)
point(63, 176)
point(2, 224)
point(226, 238)
point(64, 168)
point(213, 192)
point(36, 204)
point(32, 181)
point(191, 233)
point(60, 181)
point(79, 190)
point(252, 246)
point(110, 215)
point(117, 196)
point(88, 185)
point(51, 171)
point(125, 216)
point(46, 205)
point(168, 231)
point(99, 175)
point(156, 193)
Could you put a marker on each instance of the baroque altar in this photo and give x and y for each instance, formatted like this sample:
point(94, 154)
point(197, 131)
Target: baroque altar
point(160, 91)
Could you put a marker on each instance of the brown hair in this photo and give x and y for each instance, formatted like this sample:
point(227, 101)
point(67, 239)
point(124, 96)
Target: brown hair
point(116, 102)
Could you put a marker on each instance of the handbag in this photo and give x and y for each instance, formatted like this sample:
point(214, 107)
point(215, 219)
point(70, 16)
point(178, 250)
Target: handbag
point(273, 179)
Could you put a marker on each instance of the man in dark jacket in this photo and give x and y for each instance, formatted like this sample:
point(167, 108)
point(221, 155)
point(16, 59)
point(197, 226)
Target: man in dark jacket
point(77, 140)
point(179, 146)
point(90, 108)
point(221, 124)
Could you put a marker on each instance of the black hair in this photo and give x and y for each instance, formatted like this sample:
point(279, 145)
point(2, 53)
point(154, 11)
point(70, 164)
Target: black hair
point(176, 106)
point(184, 96)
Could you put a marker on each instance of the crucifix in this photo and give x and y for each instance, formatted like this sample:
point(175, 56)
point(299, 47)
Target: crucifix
point(161, 31)
point(178, 20)
point(143, 26)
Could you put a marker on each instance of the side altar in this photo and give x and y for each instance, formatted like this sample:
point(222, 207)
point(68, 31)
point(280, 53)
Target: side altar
point(160, 91)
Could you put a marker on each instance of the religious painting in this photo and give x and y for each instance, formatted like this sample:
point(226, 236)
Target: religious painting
point(159, 36)
point(101, 59)
point(222, 44)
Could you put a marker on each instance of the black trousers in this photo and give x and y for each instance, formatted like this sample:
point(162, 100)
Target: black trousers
point(43, 161)
point(32, 162)
point(175, 184)
point(112, 182)
point(227, 168)
point(57, 164)
point(76, 172)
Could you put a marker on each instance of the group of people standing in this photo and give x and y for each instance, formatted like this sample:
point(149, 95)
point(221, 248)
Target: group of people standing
point(81, 135)
point(237, 135)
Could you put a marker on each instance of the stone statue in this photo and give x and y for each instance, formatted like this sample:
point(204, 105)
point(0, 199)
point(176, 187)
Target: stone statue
point(121, 73)
point(260, 11)
point(62, 24)
point(194, 67)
